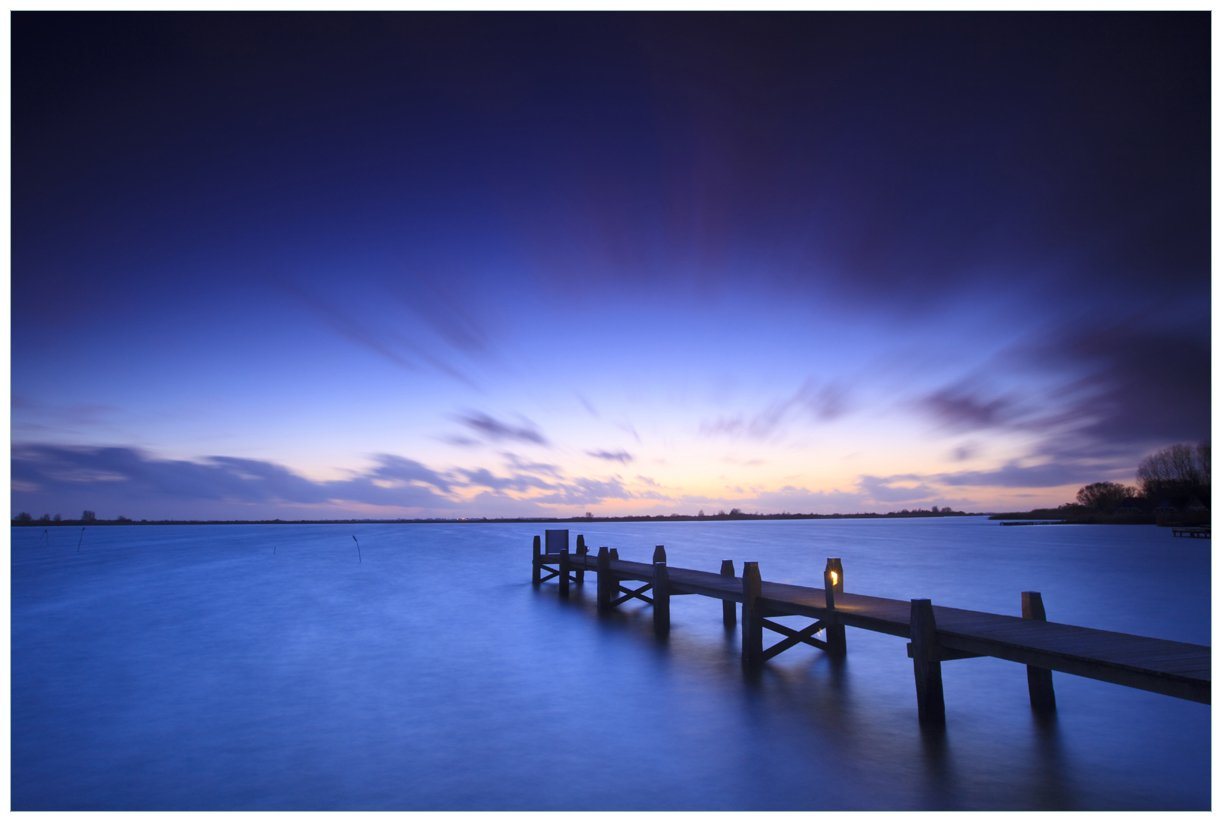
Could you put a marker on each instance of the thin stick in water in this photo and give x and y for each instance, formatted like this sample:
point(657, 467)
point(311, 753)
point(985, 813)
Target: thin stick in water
point(78, 540)
point(358, 549)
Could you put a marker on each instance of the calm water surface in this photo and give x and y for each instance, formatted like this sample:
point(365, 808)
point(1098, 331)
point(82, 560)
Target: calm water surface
point(264, 667)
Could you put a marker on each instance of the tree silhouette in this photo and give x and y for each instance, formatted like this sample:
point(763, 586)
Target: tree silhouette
point(1105, 496)
point(1176, 475)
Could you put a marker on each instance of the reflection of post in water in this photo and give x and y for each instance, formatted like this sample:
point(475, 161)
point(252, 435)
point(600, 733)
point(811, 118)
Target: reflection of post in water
point(821, 692)
point(728, 618)
point(1054, 789)
point(939, 766)
point(1039, 680)
point(753, 620)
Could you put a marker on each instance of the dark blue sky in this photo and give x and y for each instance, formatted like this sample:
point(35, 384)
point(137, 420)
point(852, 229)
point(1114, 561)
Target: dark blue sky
point(477, 264)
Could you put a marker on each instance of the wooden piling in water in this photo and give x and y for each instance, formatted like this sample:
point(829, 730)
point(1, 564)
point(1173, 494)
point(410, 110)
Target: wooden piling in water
point(753, 619)
point(606, 585)
point(927, 664)
point(582, 551)
point(833, 583)
point(1039, 680)
point(728, 618)
point(659, 553)
point(661, 598)
point(536, 562)
point(563, 565)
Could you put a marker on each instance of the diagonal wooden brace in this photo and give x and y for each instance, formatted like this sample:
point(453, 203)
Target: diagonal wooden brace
point(805, 635)
point(639, 593)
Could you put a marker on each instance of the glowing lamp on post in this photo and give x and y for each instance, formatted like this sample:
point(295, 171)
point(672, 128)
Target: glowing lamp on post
point(833, 584)
point(833, 579)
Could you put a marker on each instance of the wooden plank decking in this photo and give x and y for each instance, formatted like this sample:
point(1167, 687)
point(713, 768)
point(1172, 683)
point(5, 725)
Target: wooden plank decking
point(1163, 666)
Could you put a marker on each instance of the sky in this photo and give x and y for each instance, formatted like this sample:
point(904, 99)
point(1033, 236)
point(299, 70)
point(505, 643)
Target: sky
point(543, 264)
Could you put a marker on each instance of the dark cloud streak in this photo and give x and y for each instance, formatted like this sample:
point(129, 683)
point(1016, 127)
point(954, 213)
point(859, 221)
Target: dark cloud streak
point(132, 478)
point(134, 482)
point(620, 456)
point(390, 346)
point(961, 407)
point(494, 430)
point(814, 402)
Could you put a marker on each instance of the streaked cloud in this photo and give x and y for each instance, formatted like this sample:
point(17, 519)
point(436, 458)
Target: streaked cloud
point(619, 455)
point(964, 452)
point(370, 333)
point(393, 467)
point(812, 401)
point(128, 480)
point(494, 430)
point(522, 464)
point(484, 478)
point(960, 407)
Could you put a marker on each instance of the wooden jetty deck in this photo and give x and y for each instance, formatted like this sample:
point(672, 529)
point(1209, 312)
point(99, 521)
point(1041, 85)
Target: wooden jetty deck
point(936, 633)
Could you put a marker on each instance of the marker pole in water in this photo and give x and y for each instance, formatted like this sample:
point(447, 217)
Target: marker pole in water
point(78, 540)
point(358, 549)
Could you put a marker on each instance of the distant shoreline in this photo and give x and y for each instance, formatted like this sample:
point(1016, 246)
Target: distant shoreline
point(482, 520)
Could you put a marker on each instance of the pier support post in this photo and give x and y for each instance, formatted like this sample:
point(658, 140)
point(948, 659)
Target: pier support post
point(753, 619)
point(927, 664)
point(563, 564)
point(582, 551)
point(536, 562)
point(833, 583)
point(659, 554)
point(606, 585)
point(728, 617)
point(612, 579)
point(1039, 680)
point(661, 598)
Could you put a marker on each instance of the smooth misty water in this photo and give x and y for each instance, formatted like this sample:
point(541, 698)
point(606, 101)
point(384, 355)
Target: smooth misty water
point(263, 667)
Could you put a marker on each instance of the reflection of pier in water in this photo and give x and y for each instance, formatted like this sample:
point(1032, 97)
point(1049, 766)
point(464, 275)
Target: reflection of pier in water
point(936, 634)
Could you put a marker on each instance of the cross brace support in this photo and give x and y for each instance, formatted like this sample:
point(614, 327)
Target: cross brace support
point(629, 593)
point(793, 637)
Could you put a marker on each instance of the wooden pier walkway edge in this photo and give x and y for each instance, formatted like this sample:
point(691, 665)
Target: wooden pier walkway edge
point(936, 633)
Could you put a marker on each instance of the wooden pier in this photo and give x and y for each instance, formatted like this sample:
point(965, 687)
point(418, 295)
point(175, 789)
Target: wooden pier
point(936, 634)
point(1194, 531)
